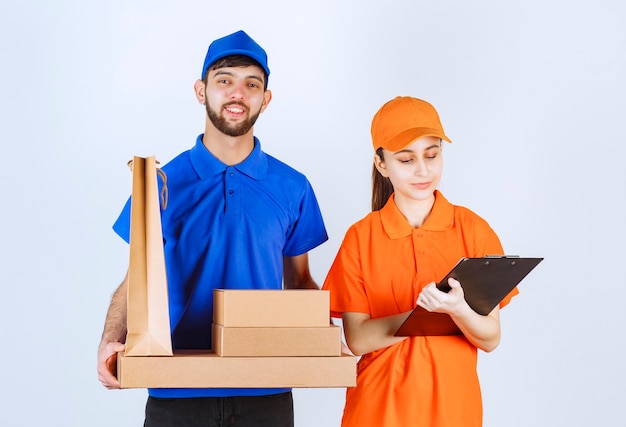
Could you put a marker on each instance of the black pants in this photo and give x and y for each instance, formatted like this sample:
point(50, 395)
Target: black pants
point(274, 410)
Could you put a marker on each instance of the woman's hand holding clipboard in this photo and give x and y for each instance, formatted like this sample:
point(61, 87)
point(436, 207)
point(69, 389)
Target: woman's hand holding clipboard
point(486, 281)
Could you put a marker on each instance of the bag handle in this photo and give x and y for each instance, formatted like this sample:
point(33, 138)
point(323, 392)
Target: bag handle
point(164, 194)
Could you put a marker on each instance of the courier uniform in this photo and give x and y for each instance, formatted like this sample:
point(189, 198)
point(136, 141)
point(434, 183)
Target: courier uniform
point(380, 269)
point(227, 227)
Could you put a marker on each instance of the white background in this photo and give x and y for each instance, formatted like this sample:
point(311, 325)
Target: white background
point(532, 93)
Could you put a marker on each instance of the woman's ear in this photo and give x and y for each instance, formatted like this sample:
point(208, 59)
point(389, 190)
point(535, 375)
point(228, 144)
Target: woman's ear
point(200, 90)
point(379, 163)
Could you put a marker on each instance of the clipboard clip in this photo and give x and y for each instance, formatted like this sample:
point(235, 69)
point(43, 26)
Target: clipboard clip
point(501, 256)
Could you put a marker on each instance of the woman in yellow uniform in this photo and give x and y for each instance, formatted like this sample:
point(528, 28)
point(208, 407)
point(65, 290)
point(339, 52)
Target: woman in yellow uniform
point(388, 263)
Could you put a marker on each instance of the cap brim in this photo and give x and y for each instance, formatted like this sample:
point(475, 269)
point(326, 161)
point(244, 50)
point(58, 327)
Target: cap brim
point(403, 139)
point(244, 52)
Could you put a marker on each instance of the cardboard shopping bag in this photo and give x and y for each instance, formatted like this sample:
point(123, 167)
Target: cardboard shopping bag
point(148, 321)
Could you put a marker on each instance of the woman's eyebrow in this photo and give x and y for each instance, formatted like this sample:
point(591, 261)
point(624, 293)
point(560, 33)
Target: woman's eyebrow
point(411, 151)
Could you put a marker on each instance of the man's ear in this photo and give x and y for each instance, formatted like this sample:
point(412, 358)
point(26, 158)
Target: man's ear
point(200, 90)
point(267, 97)
point(380, 166)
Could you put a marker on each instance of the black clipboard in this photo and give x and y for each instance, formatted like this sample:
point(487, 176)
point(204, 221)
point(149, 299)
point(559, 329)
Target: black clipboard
point(486, 281)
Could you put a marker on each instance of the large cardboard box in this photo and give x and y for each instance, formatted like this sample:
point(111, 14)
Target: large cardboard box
point(260, 342)
point(271, 308)
point(196, 369)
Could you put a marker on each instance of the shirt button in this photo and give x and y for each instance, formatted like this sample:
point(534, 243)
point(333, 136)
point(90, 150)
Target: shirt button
point(232, 174)
point(231, 192)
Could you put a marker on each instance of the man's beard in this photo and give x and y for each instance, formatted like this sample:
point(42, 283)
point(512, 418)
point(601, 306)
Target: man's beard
point(231, 129)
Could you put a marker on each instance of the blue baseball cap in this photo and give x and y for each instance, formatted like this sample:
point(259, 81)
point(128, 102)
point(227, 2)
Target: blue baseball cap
point(238, 43)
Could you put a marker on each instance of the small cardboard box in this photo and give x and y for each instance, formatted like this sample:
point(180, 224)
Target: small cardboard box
point(271, 308)
point(262, 342)
point(197, 369)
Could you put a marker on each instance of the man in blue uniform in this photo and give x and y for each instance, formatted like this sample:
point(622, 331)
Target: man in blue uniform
point(236, 218)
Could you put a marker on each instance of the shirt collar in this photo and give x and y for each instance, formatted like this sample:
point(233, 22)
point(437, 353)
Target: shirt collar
point(396, 226)
point(207, 165)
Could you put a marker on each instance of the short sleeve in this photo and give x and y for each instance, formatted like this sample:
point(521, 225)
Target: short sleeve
point(122, 224)
point(345, 280)
point(308, 231)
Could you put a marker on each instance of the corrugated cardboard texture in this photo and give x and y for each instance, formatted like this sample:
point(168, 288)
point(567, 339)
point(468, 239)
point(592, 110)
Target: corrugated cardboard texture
point(277, 341)
point(271, 308)
point(193, 369)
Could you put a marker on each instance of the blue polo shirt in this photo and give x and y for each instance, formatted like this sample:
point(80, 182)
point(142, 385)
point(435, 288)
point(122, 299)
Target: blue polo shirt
point(227, 227)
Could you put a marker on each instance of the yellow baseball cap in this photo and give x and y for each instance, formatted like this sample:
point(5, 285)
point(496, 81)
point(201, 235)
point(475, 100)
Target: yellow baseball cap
point(403, 120)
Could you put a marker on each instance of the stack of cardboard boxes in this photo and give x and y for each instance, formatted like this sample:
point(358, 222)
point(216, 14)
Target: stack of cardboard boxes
point(274, 323)
point(261, 338)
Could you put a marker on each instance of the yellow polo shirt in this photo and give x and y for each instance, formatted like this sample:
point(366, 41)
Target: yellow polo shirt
point(381, 267)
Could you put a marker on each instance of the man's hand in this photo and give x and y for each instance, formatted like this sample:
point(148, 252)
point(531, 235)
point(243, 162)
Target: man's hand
point(107, 363)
